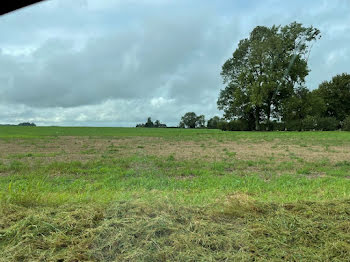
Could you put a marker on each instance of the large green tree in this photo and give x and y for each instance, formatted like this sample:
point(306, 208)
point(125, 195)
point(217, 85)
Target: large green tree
point(336, 95)
point(149, 123)
point(191, 120)
point(264, 71)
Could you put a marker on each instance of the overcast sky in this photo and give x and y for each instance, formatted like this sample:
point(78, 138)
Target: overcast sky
point(116, 62)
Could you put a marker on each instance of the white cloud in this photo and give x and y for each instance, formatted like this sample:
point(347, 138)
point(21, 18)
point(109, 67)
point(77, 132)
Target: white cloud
point(160, 101)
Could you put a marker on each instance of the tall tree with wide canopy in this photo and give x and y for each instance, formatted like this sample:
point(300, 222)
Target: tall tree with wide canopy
point(264, 71)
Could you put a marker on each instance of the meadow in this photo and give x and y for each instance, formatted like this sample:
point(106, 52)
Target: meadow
point(144, 194)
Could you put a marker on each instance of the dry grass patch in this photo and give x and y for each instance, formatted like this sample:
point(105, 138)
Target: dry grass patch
point(238, 228)
point(85, 149)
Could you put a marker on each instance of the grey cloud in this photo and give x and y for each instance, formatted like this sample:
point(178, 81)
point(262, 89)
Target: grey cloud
point(121, 65)
point(117, 62)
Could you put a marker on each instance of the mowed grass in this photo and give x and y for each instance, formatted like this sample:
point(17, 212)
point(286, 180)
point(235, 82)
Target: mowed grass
point(128, 194)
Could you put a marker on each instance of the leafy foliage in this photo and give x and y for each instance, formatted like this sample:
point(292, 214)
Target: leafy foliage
point(308, 124)
point(327, 124)
point(233, 125)
point(264, 70)
point(346, 124)
point(336, 94)
point(191, 120)
point(213, 122)
point(302, 105)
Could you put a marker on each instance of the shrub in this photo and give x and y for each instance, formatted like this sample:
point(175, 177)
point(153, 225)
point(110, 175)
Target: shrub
point(223, 125)
point(213, 122)
point(279, 126)
point(309, 123)
point(238, 125)
point(327, 124)
point(233, 125)
point(346, 124)
point(273, 126)
point(293, 125)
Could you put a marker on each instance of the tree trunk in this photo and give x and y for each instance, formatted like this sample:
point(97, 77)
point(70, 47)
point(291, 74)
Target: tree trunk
point(268, 113)
point(257, 126)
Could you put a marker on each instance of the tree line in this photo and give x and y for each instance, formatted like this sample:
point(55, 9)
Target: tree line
point(326, 108)
point(149, 123)
point(26, 124)
point(20, 124)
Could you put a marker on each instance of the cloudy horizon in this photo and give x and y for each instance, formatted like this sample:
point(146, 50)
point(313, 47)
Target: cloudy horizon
point(114, 63)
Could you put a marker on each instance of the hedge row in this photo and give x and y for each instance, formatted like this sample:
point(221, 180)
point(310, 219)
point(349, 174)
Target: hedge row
point(308, 124)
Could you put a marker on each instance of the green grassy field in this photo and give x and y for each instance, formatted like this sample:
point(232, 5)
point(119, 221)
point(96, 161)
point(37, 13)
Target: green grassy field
point(128, 194)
